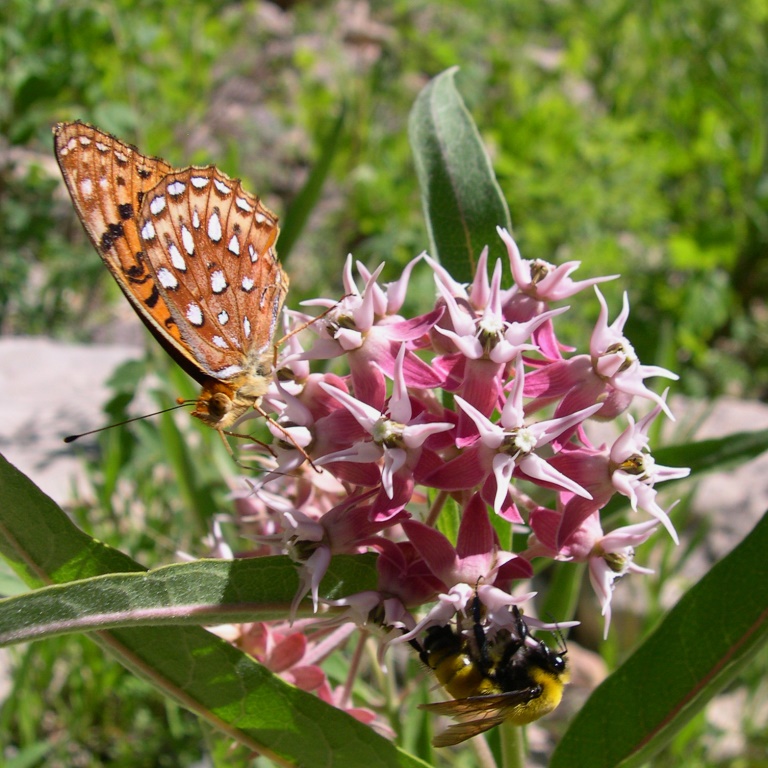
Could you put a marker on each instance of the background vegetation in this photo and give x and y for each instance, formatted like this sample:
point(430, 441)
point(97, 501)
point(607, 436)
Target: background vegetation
point(630, 136)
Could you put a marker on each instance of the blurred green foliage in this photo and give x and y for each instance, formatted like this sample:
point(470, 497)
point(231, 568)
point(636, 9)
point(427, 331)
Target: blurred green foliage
point(629, 136)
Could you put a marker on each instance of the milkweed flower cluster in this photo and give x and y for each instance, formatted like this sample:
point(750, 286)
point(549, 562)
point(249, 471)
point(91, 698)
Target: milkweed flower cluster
point(469, 406)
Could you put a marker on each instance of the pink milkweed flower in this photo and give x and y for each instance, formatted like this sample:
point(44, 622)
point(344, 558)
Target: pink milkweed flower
point(404, 573)
point(389, 301)
point(398, 439)
point(477, 555)
point(627, 467)
point(610, 374)
point(287, 652)
point(356, 327)
point(346, 528)
point(404, 580)
point(476, 561)
point(283, 651)
point(508, 447)
point(542, 281)
point(486, 343)
point(475, 297)
point(614, 358)
point(609, 556)
point(612, 557)
point(636, 471)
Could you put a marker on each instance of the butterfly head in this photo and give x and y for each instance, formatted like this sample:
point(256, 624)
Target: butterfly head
point(222, 403)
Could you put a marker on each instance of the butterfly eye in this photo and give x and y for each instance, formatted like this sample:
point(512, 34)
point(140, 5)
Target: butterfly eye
point(219, 405)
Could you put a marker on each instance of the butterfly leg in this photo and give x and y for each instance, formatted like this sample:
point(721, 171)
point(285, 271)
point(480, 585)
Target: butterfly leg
point(286, 434)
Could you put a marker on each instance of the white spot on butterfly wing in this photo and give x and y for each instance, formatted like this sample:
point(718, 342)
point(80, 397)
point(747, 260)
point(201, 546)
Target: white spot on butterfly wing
point(194, 314)
point(157, 205)
point(176, 258)
point(148, 231)
point(222, 187)
point(234, 246)
point(229, 371)
point(214, 227)
point(253, 253)
point(223, 317)
point(218, 281)
point(187, 240)
point(175, 188)
point(247, 327)
point(243, 204)
point(86, 187)
point(195, 218)
point(167, 279)
point(199, 182)
point(247, 284)
point(220, 342)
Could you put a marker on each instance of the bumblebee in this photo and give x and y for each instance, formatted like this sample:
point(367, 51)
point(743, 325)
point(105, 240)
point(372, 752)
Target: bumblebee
point(509, 677)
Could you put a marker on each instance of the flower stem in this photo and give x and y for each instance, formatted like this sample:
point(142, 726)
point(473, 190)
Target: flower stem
point(353, 667)
point(512, 745)
point(436, 508)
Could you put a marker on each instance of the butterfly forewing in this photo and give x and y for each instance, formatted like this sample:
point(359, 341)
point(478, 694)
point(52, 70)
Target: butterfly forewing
point(210, 247)
point(107, 180)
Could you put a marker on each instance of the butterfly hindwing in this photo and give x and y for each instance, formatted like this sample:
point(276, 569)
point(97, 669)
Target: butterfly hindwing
point(210, 247)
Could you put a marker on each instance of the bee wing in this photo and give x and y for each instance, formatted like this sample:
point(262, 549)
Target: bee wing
point(459, 732)
point(486, 711)
point(473, 705)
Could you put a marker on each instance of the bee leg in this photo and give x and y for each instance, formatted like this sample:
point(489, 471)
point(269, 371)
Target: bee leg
point(522, 627)
point(515, 644)
point(533, 693)
point(481, 641)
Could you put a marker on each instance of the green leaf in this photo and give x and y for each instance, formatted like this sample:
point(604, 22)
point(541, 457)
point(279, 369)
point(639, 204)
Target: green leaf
point(41, 543)
point(462, 200)
point(203, 592)
point(704, 641)
point(197, 669)
point(246, 701)
point(717, 453)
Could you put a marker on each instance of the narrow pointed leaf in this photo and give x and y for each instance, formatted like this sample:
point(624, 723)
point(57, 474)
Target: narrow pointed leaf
point(705, 640)
point(203, 592)
point(715, 453)
point(462, 200)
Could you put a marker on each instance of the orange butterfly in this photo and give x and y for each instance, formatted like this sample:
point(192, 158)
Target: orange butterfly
point(194, 254)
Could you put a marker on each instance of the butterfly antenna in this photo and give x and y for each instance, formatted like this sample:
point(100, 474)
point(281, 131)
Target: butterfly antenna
point(72, 438)
point(299, 328)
